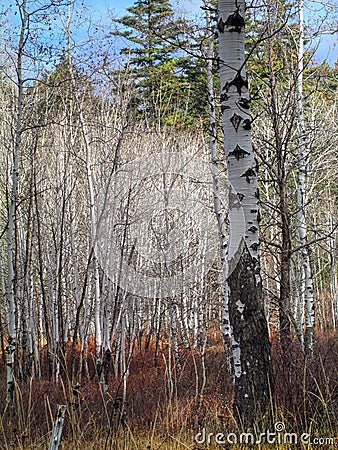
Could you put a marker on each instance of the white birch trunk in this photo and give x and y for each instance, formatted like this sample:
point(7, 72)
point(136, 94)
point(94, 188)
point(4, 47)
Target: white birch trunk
point(123, 359)
point(303, 156)
point(90, 181)
point(225, 324)
point(250, 342)
point(333, 272)
point(173, 332)
point(10, 297)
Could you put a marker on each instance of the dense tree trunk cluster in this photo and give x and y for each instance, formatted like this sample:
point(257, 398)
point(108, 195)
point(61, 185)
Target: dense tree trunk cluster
point(133, 216)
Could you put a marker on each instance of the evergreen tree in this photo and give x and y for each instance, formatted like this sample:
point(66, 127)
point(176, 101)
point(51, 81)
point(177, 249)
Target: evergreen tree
point(168, 82)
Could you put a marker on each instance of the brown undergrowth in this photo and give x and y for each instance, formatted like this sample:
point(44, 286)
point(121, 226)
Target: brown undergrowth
point(164, 408)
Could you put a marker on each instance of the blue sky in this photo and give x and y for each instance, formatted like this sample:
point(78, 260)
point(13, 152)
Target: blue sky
point(120, 4)
point(327, 44)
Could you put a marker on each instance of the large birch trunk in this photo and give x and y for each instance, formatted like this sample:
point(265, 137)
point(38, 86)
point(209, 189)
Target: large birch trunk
point(250, 340)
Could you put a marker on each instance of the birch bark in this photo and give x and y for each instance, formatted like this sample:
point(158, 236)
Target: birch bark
point(303, 157)
point(250, 340)
point(10, 293)
point(89, 162)
point(215, 177)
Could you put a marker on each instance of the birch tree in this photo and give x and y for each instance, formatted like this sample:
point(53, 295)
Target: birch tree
point(89, 163)
point(250, 340)
point(13, 203)
point(215, 172)
point(303, 157)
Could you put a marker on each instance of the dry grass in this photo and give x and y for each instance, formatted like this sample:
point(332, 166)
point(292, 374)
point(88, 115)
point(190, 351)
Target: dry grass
point(306, 401)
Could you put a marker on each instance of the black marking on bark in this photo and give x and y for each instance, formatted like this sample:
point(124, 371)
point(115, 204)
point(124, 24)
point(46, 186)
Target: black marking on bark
point(257, 193)
point(220, 25)
point(247, 124)
point(224, 96)
point(253, 211)
point(248, 174)
point(235, 22)
point(254, 246)
point(240, 196)
point(233, 200)
point(244, 103)
point(258, 217)
point(253, 229)
point(236, 120)
point(224, 108)
point(239, 153)
point(239, 82)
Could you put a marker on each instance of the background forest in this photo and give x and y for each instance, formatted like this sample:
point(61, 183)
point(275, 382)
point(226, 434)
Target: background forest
point(112, 258)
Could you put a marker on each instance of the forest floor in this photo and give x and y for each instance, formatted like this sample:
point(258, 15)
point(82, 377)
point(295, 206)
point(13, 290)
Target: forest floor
point(164, 408)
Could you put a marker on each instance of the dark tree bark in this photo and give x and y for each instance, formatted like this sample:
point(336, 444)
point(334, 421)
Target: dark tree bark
point(250, 339)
